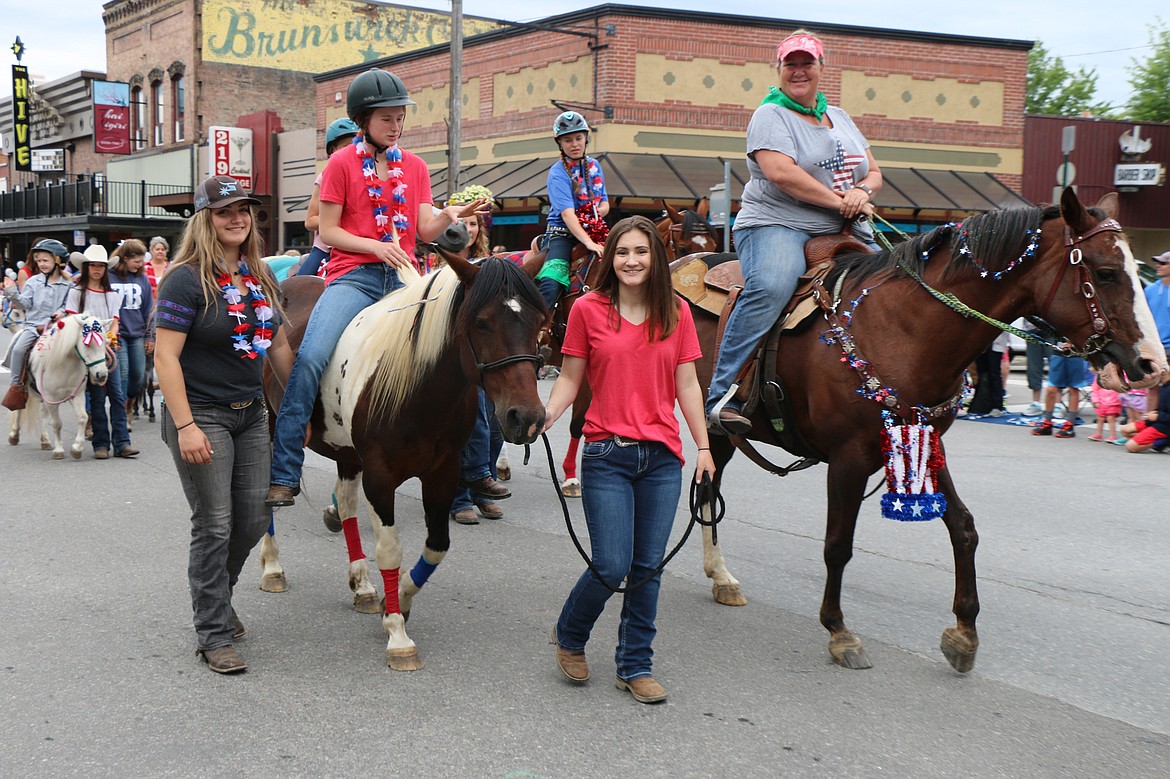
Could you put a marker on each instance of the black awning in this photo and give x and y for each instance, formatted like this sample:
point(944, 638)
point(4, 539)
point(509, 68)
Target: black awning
point(675, 177)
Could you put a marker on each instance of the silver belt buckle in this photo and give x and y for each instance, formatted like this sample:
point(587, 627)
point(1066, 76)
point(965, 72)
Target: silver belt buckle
point(620, 441)
point(241, 404)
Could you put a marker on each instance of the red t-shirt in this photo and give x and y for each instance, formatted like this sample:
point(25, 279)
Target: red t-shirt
point(632, 379)
point(342, 183)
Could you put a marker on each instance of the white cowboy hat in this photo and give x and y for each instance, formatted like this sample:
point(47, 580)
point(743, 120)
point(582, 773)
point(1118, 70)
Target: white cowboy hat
point(94, 253)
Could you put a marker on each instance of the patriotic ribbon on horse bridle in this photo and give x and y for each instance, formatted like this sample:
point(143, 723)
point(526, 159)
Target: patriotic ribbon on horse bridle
point(92, 333)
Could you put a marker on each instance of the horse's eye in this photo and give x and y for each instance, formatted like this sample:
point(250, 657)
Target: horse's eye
point(482, 325)
point(1106, 275)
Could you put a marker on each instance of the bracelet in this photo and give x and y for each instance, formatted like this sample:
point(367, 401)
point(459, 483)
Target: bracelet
point(704, 448)
point(186, 425)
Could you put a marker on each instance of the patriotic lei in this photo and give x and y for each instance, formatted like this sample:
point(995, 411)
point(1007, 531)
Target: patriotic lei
point(588, 196)
point(261, 332)
point(390, 219)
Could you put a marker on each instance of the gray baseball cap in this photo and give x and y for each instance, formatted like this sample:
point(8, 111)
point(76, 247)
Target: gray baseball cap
point(220, 191)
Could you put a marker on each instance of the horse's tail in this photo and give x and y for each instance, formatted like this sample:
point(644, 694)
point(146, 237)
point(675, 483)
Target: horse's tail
point(30, 417)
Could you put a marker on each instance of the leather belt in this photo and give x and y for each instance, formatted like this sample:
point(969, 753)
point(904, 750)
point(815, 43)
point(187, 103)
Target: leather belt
point(240, 404)
point(623, 441)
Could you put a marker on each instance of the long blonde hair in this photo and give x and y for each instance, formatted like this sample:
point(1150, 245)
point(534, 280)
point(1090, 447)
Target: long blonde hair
point(200, 248)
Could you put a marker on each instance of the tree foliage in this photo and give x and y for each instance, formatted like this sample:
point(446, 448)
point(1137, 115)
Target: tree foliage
point(1150, 80)
point(1055, 90)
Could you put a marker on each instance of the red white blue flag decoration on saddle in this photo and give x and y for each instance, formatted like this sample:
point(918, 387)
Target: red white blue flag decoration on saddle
point(913, 456)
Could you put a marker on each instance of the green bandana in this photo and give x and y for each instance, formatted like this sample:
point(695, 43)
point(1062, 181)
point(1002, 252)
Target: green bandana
point(776, 97)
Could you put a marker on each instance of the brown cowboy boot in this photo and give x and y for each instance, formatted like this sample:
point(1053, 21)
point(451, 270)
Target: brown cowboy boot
point(16, 398)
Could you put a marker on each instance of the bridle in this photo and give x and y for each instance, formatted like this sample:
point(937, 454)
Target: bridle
point(484, 367)
point(1102, 332)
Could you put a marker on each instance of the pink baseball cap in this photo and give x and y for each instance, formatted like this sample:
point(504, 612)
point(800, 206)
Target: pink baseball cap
point(794, 43)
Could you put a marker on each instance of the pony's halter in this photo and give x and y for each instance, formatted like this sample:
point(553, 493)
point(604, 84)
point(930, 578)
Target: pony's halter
point(1102, 332)
point(484, 367)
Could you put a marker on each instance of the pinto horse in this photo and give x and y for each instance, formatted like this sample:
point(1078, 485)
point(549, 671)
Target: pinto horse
point(398, 401)
point(62, 359)
point(1067, 265)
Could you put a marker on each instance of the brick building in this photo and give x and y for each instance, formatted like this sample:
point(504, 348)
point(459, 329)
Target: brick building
point(669, 95)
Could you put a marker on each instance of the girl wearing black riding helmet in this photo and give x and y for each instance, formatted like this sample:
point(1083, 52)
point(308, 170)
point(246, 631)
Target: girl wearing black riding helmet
point(578, 204)
point(338, 135)
point(43, 300)
point(376, 205)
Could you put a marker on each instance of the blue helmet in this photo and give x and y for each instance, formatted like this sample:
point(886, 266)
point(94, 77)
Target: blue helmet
point(340, 128)
point(569, 122)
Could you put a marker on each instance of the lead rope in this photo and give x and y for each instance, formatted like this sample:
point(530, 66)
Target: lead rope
point(701, 493)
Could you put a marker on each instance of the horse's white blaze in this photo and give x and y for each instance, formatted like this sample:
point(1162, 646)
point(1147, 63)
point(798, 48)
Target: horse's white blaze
point(514, 305)
point(1151, 344)
point(699, 241)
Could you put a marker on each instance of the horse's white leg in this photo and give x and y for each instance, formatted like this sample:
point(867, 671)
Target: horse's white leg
point(401, 653)
point(410, 584)
point(14, 427)
point(725, 587)
point(272, 578)
point(78, 444)
point(365, 597)
point(503, 467)
point(51, 426)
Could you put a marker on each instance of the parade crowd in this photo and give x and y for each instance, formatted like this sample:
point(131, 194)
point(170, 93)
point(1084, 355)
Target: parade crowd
point(202, 321)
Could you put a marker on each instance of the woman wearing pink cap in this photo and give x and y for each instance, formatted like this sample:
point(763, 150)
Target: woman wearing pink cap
point(811, 171)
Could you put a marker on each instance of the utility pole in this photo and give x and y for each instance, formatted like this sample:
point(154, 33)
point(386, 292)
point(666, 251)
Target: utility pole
point(455, 123)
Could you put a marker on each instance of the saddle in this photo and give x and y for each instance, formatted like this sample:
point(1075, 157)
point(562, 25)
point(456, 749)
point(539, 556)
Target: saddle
point(713, 282)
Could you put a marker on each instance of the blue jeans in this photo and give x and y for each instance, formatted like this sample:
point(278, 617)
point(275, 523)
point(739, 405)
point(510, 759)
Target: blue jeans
point(772, 259)
point(112, 426)
point(478, 458)
point(630, 495)
point(228, 516)
point(312, 263)
point(131, 365)
point(341, 301)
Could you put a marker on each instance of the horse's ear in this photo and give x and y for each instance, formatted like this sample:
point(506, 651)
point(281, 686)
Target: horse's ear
point(1110, 204)
point(672, 212)
point(464, 269)
point(704, 207)
point(1074, 213)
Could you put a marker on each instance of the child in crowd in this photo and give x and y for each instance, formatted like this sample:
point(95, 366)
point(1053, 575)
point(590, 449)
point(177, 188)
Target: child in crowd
point(135, 319)
point(1065, 372)
point(578, 204)
point(1107, 404)
point(338, 135)
point(94, 295)
point(42, 299)
point(1152, 431)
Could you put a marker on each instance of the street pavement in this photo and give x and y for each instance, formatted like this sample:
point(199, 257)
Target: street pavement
point(99, 677)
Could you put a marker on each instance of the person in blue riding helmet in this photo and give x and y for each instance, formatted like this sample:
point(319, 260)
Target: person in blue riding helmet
point(578, 204)
point(338, 134)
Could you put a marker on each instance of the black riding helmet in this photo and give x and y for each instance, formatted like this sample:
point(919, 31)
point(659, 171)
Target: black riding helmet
point(375, 89)
point(53, 247)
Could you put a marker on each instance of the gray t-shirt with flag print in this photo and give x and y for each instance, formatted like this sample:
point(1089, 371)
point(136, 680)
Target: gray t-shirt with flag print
point(834, 156)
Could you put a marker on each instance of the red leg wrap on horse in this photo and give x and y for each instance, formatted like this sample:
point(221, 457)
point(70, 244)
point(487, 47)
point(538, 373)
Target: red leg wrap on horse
point(570, 463)
point(353, 539)
point(390, 580)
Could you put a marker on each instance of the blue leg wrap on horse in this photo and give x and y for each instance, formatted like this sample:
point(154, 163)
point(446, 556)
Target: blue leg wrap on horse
point(422, 571)
point(272, 523)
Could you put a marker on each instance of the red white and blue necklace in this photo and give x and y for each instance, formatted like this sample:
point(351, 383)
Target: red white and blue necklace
point(393, 219)
point(257, 345)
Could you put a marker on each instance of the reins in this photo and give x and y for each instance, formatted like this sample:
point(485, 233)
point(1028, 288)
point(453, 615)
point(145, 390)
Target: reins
point(702, 493)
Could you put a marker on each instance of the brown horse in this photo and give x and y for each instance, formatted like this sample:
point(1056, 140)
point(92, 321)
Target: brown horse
point(398, 401)
point(1079, 276)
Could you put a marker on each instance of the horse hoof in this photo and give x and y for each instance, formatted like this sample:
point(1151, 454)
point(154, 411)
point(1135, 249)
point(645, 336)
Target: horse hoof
point(728, 594)
point(571, 488)
point(847, 653)
point(46, 446)
point(274, 582)
point(367, 604)
point(75, 453)
point(404, 659)
point(959, 650)
point(58, 455)
point(13, 439)
point(331, 519)
point(504, 474)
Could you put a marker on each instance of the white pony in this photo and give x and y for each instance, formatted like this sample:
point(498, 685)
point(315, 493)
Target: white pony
point(61, 360)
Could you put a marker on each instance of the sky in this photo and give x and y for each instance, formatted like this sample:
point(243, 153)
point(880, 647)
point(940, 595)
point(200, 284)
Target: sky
point(67, 35)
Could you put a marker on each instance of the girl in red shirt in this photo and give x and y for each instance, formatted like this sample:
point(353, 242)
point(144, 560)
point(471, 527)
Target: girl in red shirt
point(635, 341)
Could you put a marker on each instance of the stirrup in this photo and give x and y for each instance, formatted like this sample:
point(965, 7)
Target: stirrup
point(713, 422)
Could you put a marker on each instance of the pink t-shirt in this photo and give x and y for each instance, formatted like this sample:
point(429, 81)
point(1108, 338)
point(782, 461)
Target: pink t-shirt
point(632, 379)
point(342, 183)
